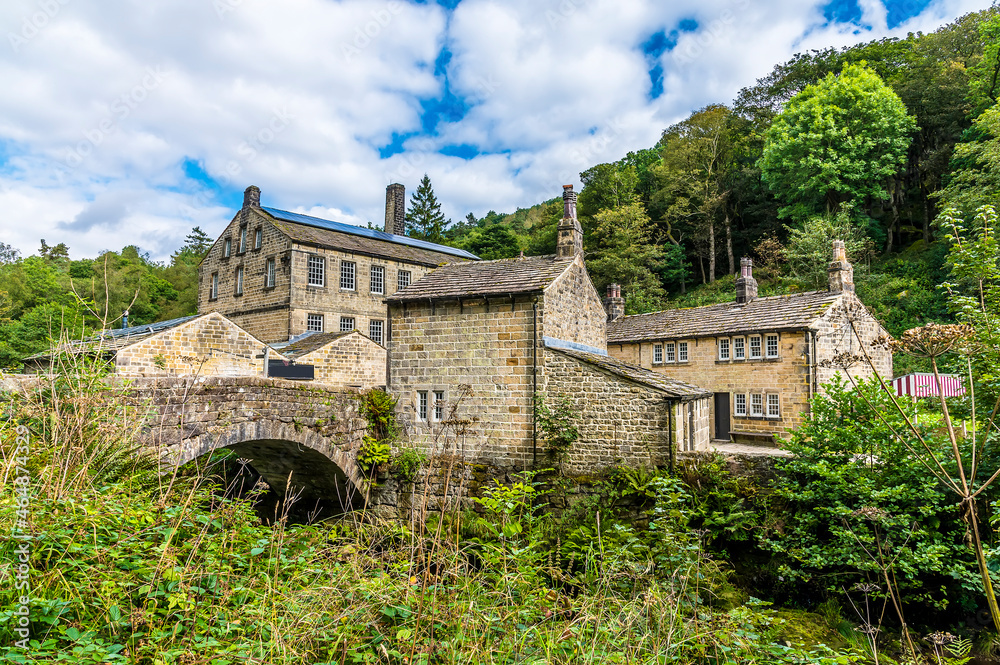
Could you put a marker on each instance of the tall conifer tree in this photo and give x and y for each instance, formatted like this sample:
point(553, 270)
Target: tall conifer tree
point(424, 219)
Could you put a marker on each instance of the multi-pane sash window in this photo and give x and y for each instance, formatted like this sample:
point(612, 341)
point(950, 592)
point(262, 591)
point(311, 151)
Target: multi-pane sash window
point(378, 279)
point(739, 348)
point(755, 347)
point(671, 357)
point(657, 353)
point(771, 346)
point(439, 405)
point(682, 352)
point(316, 267)
point(756, 404)
point(314, 322)
point(227, 248)
point(214, 292)
point(258, 239)
point(402, 279)
point(347, 272)
point(243, 239)
point(270, 273)
point(239, 281)
point(724, 348)
point(772, 406)
point(375, 330)
point(422, 405)
point(346, 323)
point(740, 404)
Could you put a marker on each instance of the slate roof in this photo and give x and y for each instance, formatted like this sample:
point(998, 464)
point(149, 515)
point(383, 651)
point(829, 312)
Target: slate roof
point(310, 343)
point(110, 341)
point(359, 240)
point(672, 387)
point(527, 274)
point(774, 313)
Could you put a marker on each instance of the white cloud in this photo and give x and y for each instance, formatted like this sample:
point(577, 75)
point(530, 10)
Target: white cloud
point(108, 100)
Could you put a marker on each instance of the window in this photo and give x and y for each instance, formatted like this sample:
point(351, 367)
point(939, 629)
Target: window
point(316, 267)
point(402, 279)
point(439, 405)
point(314, 323)
point(724, 348)
point(243, 239)
point(740, 404)
point(258, 239)
point(239, 281)
point(347, 275)
point(378, 279)
point(227, 248)
point(739, 348)
point(682, 352)
point(771, 346)
point(772, 406)
point(755, 347)
point(269, 273)
point(213, 292)
point(657, 353)
point(671, 357)
point(421, 405)
point(375, 330)
point(756, 404)
point(346, 323)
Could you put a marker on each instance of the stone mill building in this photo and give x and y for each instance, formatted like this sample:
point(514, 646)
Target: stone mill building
point(472, 343)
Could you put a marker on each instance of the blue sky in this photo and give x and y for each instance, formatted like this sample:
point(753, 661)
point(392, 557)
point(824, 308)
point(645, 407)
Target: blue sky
point(129, 123)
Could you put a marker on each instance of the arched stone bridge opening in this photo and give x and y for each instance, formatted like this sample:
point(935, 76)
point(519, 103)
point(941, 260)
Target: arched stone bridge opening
point(301, 438)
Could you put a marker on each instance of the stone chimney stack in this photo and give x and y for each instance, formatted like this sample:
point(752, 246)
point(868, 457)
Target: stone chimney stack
point(395, 209)
point(614, 304)
point(251, 197)
point(570, 242)
point(841, 272)
point(746, 285)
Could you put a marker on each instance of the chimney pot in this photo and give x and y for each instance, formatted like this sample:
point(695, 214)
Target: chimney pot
point(614, 304)
point(746, 285)
point(395, 209)
point(570, 238)
point(840, 270)
point(251, 197)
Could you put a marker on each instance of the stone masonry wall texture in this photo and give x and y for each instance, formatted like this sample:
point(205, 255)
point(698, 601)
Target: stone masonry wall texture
point(574, 312)
point(351, 361)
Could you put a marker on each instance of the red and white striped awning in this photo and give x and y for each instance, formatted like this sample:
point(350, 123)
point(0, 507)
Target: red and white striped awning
point(922, 384)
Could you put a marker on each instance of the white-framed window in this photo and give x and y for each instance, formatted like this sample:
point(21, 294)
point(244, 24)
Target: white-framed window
point(671, 353)
point(347, 272)
point(682, 352)
point(316, 268)
point(258, 238)
point(213, 292)
point(756, 404)
point(755, 347)
point(346, 323)
point(723, 348)
point(314, 323)
point(739, 348)
point(377, 281)
point(402, 279)
point(439, 405)
point(270, 273)
point(657, 353)
point(771, 345)
point(773, 408)
point(740, 404)
point(227, 248)
point(375, 330)
point(422, 405)
point(243, 239)
point(239, 281)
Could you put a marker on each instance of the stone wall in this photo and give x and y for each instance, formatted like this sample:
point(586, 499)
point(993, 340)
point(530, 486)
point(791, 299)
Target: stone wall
point(574, 311)
point(207, 346)
point(261, 310)
point(351, 361)
point(838, 349)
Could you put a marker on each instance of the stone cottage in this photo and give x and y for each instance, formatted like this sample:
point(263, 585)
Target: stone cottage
point(763, 358)
point(279, 274)
point(472, 343)
point(348, 359)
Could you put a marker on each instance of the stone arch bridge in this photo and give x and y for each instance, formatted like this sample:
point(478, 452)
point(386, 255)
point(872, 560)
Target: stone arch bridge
point(288, 430)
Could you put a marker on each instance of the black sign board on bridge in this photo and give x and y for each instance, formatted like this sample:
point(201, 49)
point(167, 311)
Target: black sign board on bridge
point(280, 369)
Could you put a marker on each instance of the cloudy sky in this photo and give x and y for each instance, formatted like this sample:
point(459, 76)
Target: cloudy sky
point(131, 121)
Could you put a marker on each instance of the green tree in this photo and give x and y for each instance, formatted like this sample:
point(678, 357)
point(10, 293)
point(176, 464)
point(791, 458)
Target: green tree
point(607, 186)
point(424, 219)
point(985, 85)
point(975, 180)
point(182, 274)
point(493, 242)
point(807, 252)
point(837, 141)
